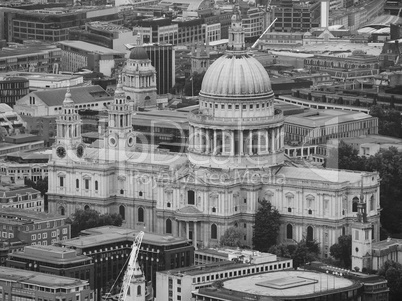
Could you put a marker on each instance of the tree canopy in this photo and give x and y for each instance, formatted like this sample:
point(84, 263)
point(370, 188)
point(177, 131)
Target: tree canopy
point(392, 271)
point(86, 219)
point(388, 163)
point(232, 237)
point(301, 253)
point(389, 121)
point(266, 227)
point(192, 85)
point(342, 250)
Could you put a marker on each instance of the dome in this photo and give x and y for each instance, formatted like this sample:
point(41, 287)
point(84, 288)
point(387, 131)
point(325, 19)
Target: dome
point(138, 53)
point(236, 74)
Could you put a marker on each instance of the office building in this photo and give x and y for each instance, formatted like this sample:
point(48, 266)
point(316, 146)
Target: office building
point(110, 246)
point(20, 196)
point(12, 89)
point(55, 261)
point(19, 284)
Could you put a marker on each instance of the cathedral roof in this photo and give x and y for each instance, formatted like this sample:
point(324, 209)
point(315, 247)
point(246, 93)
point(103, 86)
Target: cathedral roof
point(236, 74)
point(138, 53)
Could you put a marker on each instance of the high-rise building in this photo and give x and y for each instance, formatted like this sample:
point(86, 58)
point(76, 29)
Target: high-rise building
point(162, 58)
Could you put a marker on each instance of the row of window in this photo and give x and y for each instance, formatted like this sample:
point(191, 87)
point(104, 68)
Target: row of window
point(237, 107)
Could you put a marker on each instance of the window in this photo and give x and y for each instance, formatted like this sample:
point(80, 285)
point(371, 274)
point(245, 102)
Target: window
point(354, 204)
point(289, 231)
point(214, 231)
point(61, 181)
point(190, 197)
point(168, 226)
point(33, 236)
point(122, 212)
point(141, 215)
point(310, 234)
point(77, 183)
point(96, 185)
point(138, 290)
point(86, 183)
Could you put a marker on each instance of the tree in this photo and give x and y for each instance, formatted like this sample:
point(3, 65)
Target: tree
point(280, 250)
point(343, 250)
point(305, 251)
point(266, 227)
point(392, 271)
point(344, 157)
point(42, 186)
point(232, 237)
point(86, 219)
point(389, 121)
point(193, 84)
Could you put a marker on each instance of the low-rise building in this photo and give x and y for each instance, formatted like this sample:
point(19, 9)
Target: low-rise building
point(10, 121)
point(32, 227)
point(318, 126)
point(23, 197)
point(53, 260)
point(78, 54)
point(36, 57)
point(369, 145)
point(30, 165)
point(19, 284)
point(288, 285)
point(12, 89)
point(179, 284)
point(39, 81)
point(110, 247)
point(49, 102)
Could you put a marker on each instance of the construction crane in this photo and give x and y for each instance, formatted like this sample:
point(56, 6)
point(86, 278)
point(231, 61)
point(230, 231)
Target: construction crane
point(265, 31)
point(128, 275)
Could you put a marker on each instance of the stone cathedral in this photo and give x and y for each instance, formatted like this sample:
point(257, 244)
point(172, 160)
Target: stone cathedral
point(235, 158)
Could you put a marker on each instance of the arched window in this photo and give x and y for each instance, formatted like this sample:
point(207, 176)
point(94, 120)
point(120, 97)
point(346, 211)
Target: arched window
point(86, 207)
point(140, 193)
point(354, 205)
point(122, 212)
point(62, 211)
point(141, 215)
point(190, 197)
point(138, 290)
point(289, 231)
point(310, 234)
point(96, 185)
point(213, 209)
point(214, 231)
point(168, 226)
point(77, 183)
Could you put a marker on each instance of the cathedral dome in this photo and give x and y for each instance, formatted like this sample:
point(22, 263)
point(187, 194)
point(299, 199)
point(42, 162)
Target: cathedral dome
point(138, 53)
point(236, 74)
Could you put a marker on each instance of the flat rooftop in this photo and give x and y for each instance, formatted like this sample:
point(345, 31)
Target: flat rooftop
point(108, 234)
point(288, 283)
point(51, 254)
point(28, 215)
point(90, 47)
point(41, 279)
point(40, 76)
point(26, 50)
point(377, 139)
point(317, 118)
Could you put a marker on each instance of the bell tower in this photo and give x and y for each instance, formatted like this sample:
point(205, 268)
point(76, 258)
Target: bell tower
point(120, 131)
point(361, 236)
point(68, 143)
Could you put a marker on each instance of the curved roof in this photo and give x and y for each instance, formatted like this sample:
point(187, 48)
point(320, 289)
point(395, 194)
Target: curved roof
point(236, 75)
point(138, 53)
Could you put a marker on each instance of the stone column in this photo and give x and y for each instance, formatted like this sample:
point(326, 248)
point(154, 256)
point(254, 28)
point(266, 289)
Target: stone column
point(215, 142)
point(241, 146)
point(187, 230)
point(208, 142)
point(259, 142)
point(250, 137)
point(232, 147)
point(179, 228)
point(191, 138)
point(266, 141)
point(272, 141)
point(223, 142)
point(195, 236)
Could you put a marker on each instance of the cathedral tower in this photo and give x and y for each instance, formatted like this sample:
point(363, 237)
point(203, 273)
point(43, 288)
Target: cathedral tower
point(361, 237)
point(68, 146)
point(139, 79)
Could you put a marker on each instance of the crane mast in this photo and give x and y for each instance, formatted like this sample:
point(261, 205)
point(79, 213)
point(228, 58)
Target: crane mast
point(130, 266)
